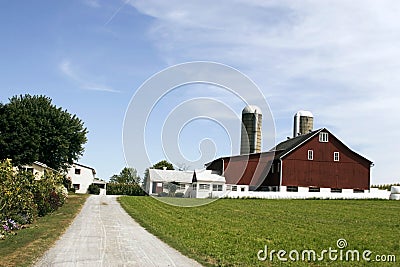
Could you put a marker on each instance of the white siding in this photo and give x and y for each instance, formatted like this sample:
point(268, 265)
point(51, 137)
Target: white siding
point(84, 179)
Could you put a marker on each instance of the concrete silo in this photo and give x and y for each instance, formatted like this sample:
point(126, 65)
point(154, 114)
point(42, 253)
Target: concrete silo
point(303, 123)
point(251, 130)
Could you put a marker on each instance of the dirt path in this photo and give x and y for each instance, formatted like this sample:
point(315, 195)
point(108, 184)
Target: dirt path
point(103, 234)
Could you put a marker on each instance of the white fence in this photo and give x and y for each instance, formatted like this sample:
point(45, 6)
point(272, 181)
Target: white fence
point(374, 193)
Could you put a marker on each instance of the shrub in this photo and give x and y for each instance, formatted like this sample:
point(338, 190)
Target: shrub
point(163, 194)
point(179, 194)
point(124, 189)
point(71, 189)
point(49, 193)
point(16, 197)
point(94, 189)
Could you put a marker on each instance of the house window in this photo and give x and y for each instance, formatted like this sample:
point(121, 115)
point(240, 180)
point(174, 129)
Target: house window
point(76, 186)
point(323, 137)
point(310, 154)
point(234, 188)
point(242, 189)
point(292, 189)
point(358, 191)
point(77, 171)
point(217, 187)
point(336, 156)
point(336, 190)
point(180, 187)
point(228, 187)
point(30, 170)
point(194, 186)
point(204, 186)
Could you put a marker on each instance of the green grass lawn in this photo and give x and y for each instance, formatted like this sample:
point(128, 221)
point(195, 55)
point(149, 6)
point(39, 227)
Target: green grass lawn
point(30, 243)
point(230, 232)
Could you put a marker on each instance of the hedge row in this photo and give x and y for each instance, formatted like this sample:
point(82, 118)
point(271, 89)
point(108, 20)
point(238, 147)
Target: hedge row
point(384, 186)
point(124, 189)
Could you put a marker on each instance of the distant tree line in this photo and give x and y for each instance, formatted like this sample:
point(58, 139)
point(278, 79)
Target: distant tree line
point(385, 186)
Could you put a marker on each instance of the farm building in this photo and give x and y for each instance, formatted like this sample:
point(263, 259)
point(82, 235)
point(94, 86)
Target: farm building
point(82, 176)
point(313, 162)
point(309, 162)
point(193, 184)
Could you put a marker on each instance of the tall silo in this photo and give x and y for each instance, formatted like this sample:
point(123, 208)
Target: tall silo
point(303, 123)
point(251, 130)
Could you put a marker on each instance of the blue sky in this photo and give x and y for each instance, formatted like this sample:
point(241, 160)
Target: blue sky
point(339, 59)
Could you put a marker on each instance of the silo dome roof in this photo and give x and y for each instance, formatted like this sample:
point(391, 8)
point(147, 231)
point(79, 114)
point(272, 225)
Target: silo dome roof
point(304, 113)
point(251, 109)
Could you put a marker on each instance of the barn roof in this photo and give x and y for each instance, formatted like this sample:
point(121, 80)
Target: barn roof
point(290, 144)
point(285, 147)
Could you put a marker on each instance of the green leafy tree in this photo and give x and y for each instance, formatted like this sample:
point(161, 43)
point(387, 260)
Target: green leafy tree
point(171, 189)
point(33, 129)
point(126, 176)
point(160, 165)
point(146, 176)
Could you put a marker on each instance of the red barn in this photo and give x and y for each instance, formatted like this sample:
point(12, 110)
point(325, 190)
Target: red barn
point(314, 160)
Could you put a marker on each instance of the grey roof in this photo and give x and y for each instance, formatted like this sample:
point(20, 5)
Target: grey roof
point(85, 166)
point(286, 146)
point(157, 175)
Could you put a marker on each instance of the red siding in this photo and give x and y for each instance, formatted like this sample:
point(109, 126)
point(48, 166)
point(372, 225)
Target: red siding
point(247, 170)
point(351, 171)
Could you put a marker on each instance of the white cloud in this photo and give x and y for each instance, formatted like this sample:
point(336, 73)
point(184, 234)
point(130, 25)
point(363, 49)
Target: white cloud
point(92, 3)
point(338, 58)
point(71, 73)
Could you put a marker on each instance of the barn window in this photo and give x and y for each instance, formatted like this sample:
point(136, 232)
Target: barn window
point(278, 167)
point(314, 189)
point(234, 188)
point(336, 156)
point(272, 168)
point(292, 189)
point(336, 190)
point(358, 191)
point(323, 137)
point(228, 187)
point(310, 154)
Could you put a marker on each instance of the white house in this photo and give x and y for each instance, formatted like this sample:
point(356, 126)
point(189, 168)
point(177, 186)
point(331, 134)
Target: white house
point(38, 169)
point(81, 177)
point(193, 184)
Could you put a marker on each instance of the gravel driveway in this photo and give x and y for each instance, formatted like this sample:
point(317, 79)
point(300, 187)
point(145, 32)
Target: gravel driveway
point(103, 234)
